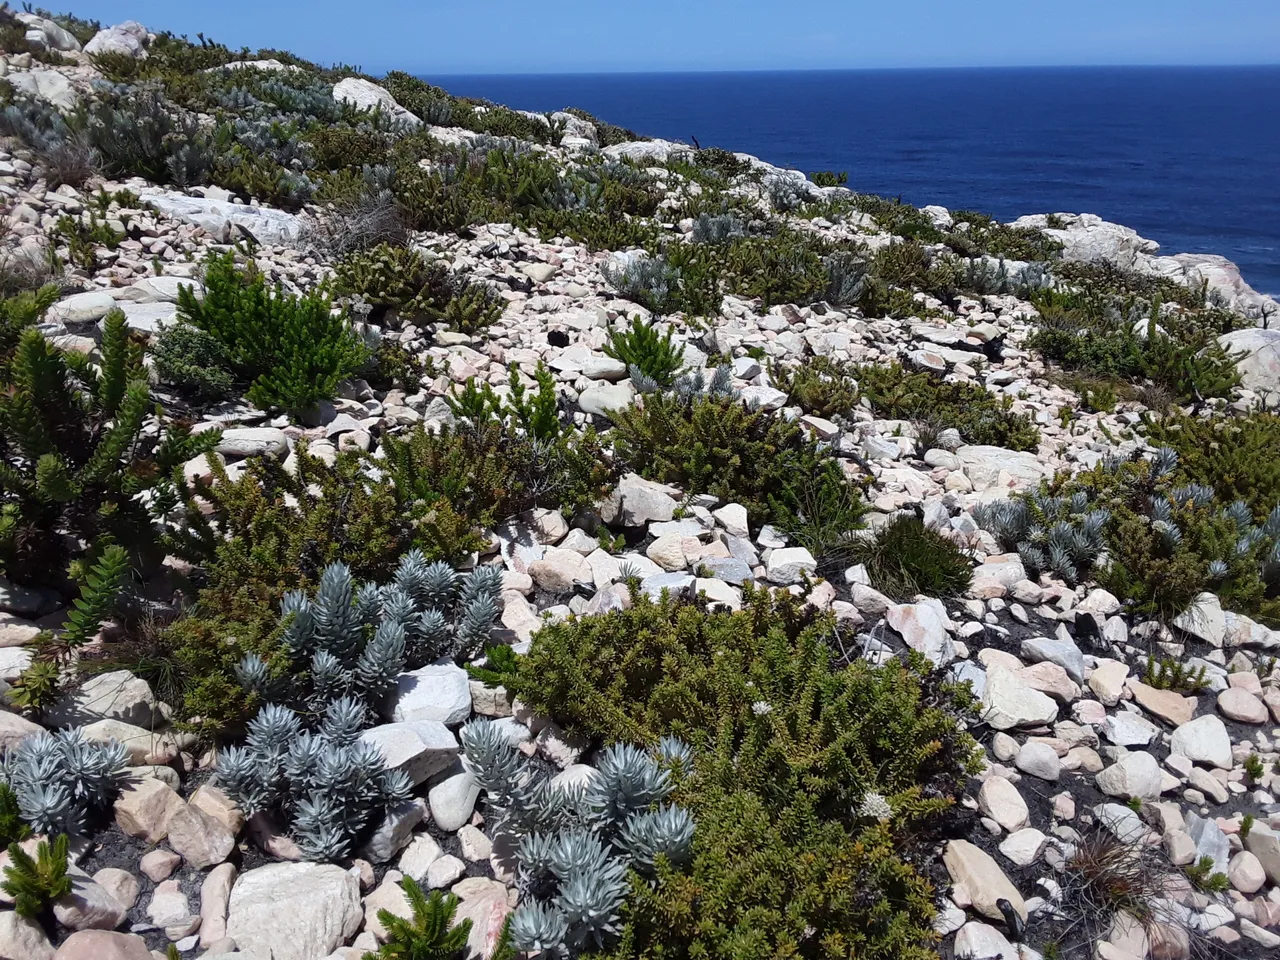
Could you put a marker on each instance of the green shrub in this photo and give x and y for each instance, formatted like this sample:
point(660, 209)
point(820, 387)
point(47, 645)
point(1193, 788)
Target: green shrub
point(1167, 674)
point(714, 444)
point(1107, 327)
point(905, 558)
point(822, 512)
point(12, 827)
point(266, 533)
point(506, 456)
point(292, 351)
point(399, 278)
point(979, 416)
point(1235, 455)
point(474, 306)
point(430, 202)
point(73, 454)
point(786, 268)
point(640, 347)
point(829, 178)
point(1168, 541)
point(396, 277)
point(987, 236)
point(40, 684)
point(20, 311)
point(819, 386)
point(810, 779)
point(194, 362)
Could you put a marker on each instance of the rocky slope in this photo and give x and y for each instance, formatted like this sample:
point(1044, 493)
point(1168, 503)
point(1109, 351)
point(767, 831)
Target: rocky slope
point(1077, 739)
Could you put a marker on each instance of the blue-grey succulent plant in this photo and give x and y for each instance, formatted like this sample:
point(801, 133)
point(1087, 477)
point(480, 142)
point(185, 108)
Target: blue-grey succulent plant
point(61, 779)
point(326, 785)
point(1057, 535)
point(718, 228)
point(576, 846)
point(353, 640)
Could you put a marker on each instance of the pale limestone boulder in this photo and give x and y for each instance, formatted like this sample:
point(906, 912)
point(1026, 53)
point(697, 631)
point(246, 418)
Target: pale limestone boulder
point(294, 911)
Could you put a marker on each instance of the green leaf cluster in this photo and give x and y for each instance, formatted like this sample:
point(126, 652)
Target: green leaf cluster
point(904, 558)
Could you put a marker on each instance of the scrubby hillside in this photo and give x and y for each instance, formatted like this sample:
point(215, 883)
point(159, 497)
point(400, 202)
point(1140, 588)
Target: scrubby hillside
point(433, 529)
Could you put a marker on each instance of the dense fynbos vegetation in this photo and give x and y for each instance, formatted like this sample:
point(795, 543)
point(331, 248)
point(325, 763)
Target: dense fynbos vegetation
point(667, 554)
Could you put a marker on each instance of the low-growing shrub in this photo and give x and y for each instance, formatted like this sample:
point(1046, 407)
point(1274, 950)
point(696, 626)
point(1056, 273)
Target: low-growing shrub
point(1051, 534)
point(785, 268)
point(404, 280)
point(328, 786)
point(829, 178)
point(290, 350)
point(809, 780)
point(429, 933)
point(256, 538)
point(1110, 332)
point(818, 386)
point(1168, 541)
point(352, 640)
point(904, 558)
point(194, 362)
point(714, 444)
point(34, 883)
point(979, 415)
point(61, 781)
point(1235, 455)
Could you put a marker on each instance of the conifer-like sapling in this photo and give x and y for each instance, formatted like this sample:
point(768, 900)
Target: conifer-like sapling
point(35, 882)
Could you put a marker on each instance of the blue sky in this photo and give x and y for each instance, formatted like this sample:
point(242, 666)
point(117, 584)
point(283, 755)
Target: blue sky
point(527, 36)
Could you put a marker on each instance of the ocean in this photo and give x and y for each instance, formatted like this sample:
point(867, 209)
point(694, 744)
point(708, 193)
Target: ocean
point(1187, 156)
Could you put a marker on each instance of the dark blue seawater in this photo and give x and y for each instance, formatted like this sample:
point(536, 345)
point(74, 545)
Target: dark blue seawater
point(1187, 156)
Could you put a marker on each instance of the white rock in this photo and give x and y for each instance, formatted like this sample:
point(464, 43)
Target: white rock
point(1039, 760)
point(1000, 800)
point(1203, 740)
point(438, 691)
point(786, 565)
point(367, 95)
point(453, 799)
point(82, 307)
point(980, 941)
point(1136, 774)
point(599, 399)
point(223, 220)
point(1008, 702)
point(1259, 365)
point(47, 85)
point(978, 881)
point(1204, 619)
point(419, 748)
point(923, 630)
point(294, 911)
point(116, 695)
point(1024, 846)
point(128, 39)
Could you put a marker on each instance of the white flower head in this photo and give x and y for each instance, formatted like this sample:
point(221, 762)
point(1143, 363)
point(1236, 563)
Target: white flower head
point(875, 807)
